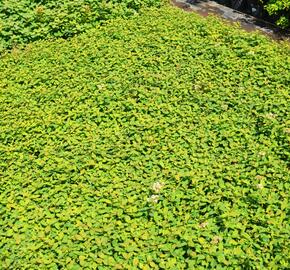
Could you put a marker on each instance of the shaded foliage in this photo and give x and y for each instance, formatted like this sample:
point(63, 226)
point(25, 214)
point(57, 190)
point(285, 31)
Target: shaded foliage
point(24, 21)
point(280, 8)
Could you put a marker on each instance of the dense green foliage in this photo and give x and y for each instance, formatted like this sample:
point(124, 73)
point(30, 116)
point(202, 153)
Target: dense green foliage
point(159, 142)
point(23, 21)
point(280, 8)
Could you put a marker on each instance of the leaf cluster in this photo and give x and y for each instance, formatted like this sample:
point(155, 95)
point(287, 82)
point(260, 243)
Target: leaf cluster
point(24, 21)
point(279, 8)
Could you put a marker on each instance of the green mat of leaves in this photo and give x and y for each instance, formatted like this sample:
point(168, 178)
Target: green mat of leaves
point(159, 142)
point(23, 21)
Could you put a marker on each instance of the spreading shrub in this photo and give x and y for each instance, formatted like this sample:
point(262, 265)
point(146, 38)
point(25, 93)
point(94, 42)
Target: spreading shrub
point(159, 142)
point(23, 21)
point(280, 8)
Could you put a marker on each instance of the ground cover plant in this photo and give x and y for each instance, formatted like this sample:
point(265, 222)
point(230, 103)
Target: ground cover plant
point(23, 21)
point(159, 142)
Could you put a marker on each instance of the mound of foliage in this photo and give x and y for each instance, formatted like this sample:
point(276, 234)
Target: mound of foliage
point(23, 21)
point(159, 142)
point(280, 8)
